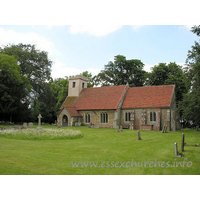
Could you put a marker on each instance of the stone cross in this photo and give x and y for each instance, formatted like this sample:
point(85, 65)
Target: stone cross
point(183, 140)
point(39, 122)
point(138, 135)
point(176, 150)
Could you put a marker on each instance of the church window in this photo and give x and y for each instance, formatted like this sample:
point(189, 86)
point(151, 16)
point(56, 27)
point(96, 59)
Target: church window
point(152, 116)
point(127, 116)
point(74, 84)
point(104, 117)
point(87, 118)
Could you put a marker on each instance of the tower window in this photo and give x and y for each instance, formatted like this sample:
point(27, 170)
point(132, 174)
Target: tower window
point(83, 85)
point(74, 84)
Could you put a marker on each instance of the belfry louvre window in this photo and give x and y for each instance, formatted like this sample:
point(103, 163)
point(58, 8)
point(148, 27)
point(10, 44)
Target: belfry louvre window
point(152, 116)
point(74, 84)
point(104, 117)
point(127, 116)
point(87, 118)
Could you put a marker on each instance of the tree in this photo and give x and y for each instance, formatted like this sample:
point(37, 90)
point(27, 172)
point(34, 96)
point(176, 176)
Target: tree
point(89, 77)
point(13, 87)
point(163, 74)
point(34, 65)
point(121, 72)
point(190, 105)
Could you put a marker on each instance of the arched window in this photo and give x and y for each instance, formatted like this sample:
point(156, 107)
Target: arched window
point(104, 117)
point(127, 116)
point(87, 118)
point(152, 116)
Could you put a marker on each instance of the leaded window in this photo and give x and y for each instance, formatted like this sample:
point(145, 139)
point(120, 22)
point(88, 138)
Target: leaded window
point(104, 117)
point(87, 118)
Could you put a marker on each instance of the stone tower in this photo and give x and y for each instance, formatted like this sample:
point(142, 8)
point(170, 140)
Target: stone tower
point(76, 84)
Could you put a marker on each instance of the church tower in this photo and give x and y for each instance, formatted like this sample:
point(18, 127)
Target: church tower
point(76, 84)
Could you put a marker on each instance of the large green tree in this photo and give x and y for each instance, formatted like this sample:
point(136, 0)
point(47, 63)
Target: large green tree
point(14, 87)
point(168, 74)
point(190, 106)
point(34, 64)
point(121, 72)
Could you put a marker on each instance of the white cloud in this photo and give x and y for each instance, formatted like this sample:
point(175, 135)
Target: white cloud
point(96, 30)
point(13, 37)
point(60, 70)
point(136, 27)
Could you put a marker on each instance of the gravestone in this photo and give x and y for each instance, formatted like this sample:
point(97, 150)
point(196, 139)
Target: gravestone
point(163, 129)
point(121, 128)
point(76, 124)
point(30, 125)
point(79, 123)
point(197, 128)
point(24, 125)
point(39, 128)
point(183, 140)
point(138, 135)
point(59, 124)
point(176, 150)
point(117, 128)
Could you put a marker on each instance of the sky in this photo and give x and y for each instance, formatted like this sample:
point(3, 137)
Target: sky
point(77, 48)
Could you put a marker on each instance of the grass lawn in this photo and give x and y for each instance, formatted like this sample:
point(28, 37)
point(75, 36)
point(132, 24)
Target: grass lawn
point(105, 146)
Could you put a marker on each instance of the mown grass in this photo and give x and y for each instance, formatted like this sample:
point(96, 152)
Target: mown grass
point(105, 146)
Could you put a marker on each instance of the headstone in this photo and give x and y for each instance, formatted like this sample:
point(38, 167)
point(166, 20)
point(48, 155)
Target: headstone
point(183, 140)
point(138, 135)
point(79, 123)
point(176, 150)
point(39, 128)
point(197, 128)
point(24, 125)
point(163, 129)
point(76, 124)
point(121, 128)
point(117, 128)
point(59, 124)
point(30, 125)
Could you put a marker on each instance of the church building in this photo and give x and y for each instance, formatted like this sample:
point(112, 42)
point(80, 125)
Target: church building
point(140, 108)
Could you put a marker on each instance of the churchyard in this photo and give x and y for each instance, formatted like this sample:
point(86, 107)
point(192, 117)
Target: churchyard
point(83, 150)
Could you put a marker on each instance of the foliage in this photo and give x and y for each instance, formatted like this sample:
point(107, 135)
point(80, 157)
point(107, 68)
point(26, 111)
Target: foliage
point(34, 65)
point(121, 72)
point(89, 77)
point(168, 74)
point(14, 87)
point(190, 105)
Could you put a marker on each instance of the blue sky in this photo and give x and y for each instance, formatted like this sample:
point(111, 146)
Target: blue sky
point(75, 48)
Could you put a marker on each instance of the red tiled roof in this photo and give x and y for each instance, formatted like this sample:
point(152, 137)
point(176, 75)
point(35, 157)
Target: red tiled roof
point(148, 97)
point(100, 98)
point(73, 111)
